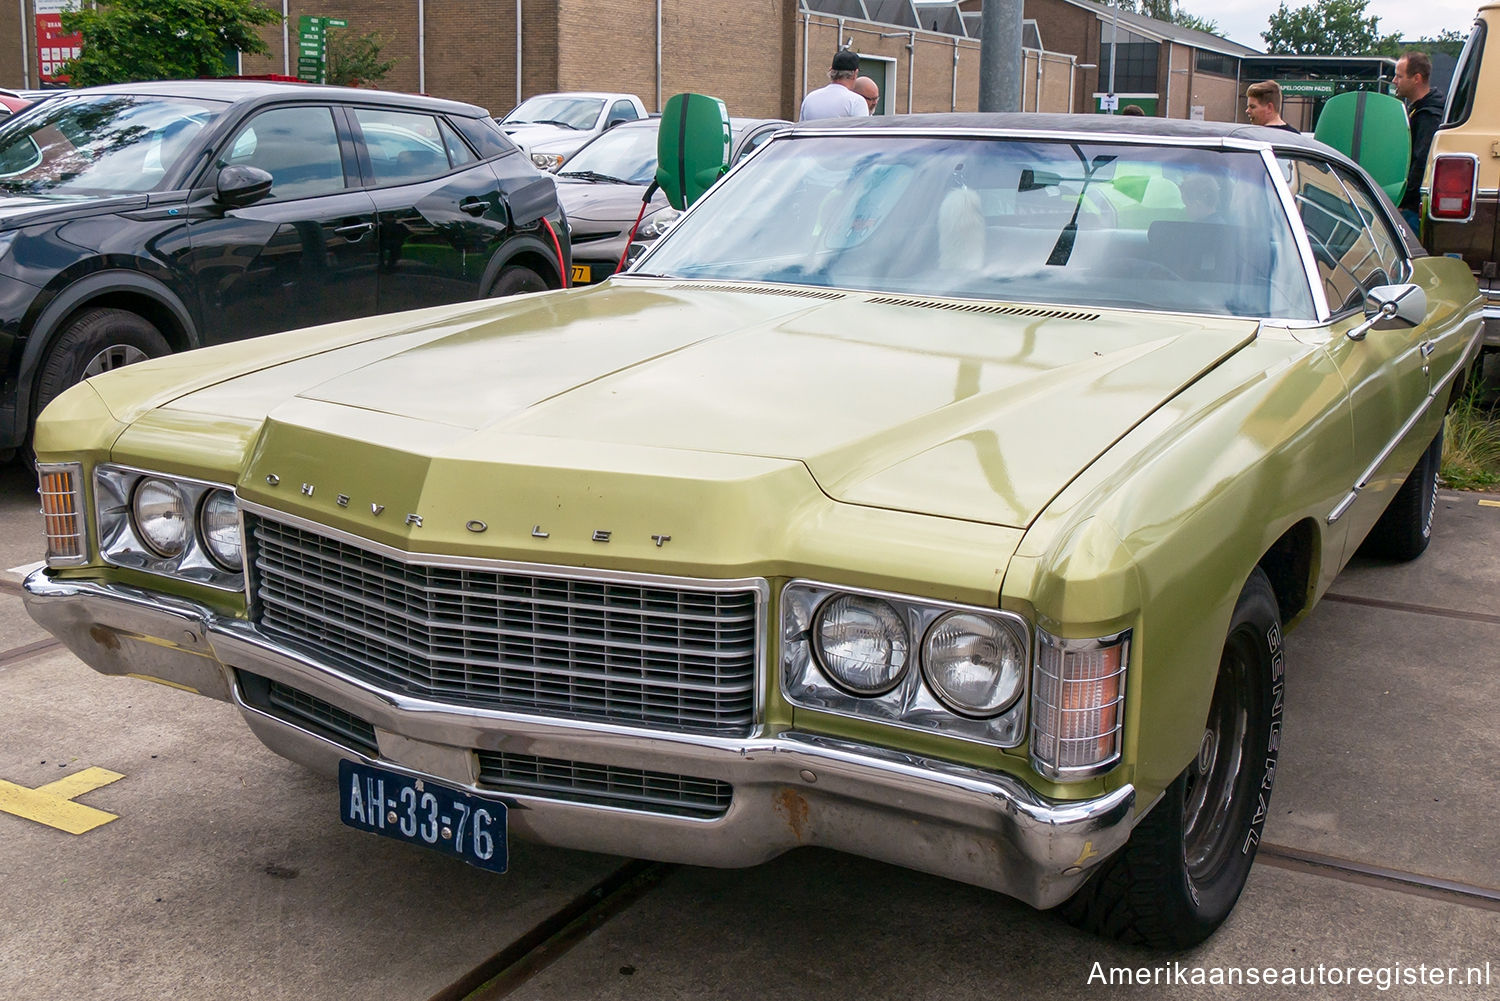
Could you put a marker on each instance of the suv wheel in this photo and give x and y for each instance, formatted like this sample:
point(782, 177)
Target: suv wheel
point(515, 280)
point(98, 341)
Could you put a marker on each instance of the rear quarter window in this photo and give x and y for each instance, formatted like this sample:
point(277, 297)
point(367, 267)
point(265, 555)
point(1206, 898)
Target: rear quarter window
point(485, 136)
point(1465, 79)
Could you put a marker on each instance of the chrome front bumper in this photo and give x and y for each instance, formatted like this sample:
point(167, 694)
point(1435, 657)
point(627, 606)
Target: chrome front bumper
point(789, 788)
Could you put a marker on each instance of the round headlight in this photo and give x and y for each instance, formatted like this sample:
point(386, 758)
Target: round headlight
point(161, 517)
point(862, 644)
point(974, 663)
point(219, 525)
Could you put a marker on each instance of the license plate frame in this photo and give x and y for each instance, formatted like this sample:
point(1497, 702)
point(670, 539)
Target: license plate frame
point(422, 812)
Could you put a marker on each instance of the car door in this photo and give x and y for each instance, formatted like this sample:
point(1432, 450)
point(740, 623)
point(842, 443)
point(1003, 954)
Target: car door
point(303, 255)
point(440, 214)
point(1386, 372)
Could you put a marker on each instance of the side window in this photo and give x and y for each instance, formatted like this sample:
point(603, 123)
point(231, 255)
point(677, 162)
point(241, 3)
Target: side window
point(298, 147)
point(486, 136)
point(622, 111)
point(1465, 79)
point(458, 152)
point(1386, 242)
point(1345, 250)
point(404, 146)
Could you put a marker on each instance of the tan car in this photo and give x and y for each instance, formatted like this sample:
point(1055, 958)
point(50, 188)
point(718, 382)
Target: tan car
point(1461, 188)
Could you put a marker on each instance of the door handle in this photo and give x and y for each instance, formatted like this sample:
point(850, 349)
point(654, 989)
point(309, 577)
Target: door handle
point(354, 231)
point(473, 206)
point(1428, 347)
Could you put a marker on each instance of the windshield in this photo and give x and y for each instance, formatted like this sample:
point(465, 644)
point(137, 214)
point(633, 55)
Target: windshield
point(554, 109)
point(1092, 223)
point(626, 153)
point(101, 143)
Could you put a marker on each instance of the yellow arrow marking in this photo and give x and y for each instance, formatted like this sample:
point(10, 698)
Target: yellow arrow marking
point(52, 804)
point(1083, 856)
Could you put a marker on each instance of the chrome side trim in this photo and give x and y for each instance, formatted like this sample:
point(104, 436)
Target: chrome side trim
point(1364, 479)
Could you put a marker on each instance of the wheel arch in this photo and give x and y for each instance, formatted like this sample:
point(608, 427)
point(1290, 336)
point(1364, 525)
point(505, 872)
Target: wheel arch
point(1292, 566)
point(526, 251)
point(128, 290)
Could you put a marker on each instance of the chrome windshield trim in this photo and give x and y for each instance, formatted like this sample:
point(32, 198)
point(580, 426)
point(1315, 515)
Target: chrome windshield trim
point(1299, 233)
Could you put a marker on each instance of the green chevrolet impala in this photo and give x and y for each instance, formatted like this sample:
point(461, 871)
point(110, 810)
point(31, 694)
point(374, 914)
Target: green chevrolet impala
point(939, 490)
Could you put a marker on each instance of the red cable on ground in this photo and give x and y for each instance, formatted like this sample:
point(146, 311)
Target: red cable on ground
point(562, 268)
point(638, 217)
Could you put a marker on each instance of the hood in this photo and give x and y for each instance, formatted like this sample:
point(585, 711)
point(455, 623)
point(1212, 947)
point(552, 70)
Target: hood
point(603, 201)
point(547, 138)
point(982, 414)
point(27, 209)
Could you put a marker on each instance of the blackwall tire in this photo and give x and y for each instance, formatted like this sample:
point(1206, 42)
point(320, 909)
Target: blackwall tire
point(514, 280)
point(1405, 529)
point(1182, 870)
point(97, 341)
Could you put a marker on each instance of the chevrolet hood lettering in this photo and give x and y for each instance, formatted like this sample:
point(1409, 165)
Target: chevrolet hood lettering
point(986, 420)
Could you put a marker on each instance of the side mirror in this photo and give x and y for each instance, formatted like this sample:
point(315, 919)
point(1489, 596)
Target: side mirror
point(692, 147)
point(1388, 306)
point(241, 184)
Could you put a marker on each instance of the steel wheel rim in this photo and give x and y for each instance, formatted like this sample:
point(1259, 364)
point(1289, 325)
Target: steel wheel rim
point(1213, 799)
point(113, 357)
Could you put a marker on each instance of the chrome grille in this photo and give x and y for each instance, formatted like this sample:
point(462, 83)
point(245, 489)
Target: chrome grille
point(603, 785)
point(638, 654)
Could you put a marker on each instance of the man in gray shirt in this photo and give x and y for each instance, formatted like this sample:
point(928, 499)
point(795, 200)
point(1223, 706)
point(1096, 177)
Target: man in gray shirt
point(838, 99)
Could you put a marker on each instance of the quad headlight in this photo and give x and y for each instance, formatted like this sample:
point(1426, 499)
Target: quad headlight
point(862, 643)
point(159, 514)
point(976, 664)
point(907, 661)
point(170, 525)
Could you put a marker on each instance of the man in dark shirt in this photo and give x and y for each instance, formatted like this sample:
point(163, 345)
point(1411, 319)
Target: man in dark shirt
point(1424, 113)
point(1263, 105)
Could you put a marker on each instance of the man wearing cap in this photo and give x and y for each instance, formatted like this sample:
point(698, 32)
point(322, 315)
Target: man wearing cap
point(838, 99)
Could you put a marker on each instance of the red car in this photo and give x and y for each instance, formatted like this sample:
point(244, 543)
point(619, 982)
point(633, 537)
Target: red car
point(10, 104)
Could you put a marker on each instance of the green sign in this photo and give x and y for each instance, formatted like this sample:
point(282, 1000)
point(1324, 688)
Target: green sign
point(1308, 88)
point(312, 52)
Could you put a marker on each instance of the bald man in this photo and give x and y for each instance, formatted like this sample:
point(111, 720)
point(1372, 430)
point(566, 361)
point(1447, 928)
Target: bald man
point(869, 90)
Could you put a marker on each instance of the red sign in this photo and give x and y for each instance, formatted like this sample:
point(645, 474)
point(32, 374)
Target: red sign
point(54, 47)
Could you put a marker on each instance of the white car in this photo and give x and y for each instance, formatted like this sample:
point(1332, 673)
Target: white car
point(552, 127)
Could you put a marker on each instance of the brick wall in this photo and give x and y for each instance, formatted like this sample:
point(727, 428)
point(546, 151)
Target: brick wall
point(11, 39)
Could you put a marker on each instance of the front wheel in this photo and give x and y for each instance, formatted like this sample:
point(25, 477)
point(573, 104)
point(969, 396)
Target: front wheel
point(98, 341)
point(1182, 870)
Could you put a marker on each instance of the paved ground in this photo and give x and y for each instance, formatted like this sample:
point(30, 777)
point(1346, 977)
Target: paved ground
point(227, 874)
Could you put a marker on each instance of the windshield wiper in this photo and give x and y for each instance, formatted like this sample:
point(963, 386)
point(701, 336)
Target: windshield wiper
point(594, 175)
point(553, 121)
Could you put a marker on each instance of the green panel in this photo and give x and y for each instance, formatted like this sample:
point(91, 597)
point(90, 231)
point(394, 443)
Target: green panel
point(692, 147)
point(1371, 130)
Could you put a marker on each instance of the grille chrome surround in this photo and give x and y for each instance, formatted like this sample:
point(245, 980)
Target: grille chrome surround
point(630, 649)
point(604, 785)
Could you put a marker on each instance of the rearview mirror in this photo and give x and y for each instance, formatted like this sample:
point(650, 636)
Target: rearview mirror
point(240, 185)
point(1388, 306)
point(692, 147)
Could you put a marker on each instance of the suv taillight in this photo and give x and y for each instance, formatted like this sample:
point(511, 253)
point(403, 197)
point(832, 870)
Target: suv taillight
point(1454, 179)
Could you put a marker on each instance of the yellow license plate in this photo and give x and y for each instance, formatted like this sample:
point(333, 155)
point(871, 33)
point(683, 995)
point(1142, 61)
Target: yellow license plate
point(581, 274)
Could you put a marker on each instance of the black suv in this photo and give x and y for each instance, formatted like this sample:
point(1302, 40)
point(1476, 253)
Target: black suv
point(141, 219)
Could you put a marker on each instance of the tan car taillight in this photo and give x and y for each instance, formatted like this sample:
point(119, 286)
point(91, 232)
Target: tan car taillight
point(1455, 179)
point(61, 490)
point(1077, 705)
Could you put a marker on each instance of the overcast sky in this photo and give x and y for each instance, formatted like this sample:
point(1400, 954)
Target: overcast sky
point(1244, 20)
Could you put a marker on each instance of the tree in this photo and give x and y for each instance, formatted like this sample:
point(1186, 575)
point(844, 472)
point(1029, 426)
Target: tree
point(355, 59)
point(126, 40)
point(1327, 28)
point(1170, 11)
